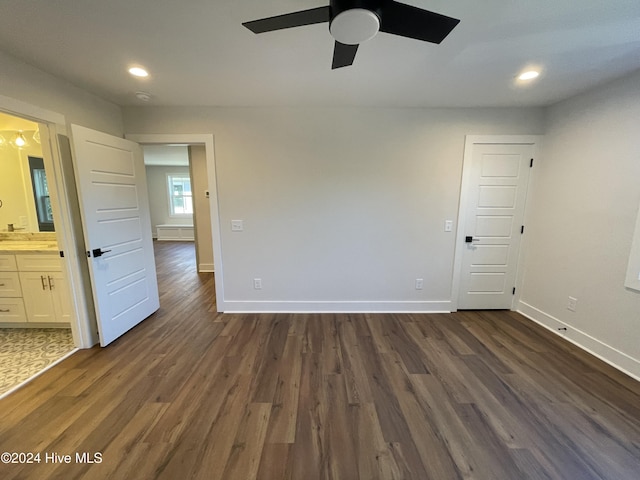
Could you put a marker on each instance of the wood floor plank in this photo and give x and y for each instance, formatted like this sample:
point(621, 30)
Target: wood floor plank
point(284, 406)
point(193, 394)
point(244, 460)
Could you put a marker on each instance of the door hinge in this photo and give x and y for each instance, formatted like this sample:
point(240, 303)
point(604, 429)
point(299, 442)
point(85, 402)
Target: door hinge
point(88, 254)
point(521, 229)
point(61, 254)
point(531, 163)
point(514, 291)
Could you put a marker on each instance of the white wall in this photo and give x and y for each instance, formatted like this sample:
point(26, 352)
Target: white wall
point(159, 196)
point(21, 81)
point(339, 205)
point(578, 239)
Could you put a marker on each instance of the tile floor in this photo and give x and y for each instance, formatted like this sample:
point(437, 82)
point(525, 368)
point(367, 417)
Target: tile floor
point(25, 352)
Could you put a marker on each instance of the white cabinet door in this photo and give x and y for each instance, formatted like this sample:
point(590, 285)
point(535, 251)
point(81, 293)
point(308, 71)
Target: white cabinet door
point(59, 291)
point(38, 301)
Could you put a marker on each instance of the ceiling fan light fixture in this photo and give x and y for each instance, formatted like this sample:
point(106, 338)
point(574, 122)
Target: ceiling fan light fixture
point(354, 26)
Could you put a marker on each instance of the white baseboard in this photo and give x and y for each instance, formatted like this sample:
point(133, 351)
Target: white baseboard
point(206, 268)
point(604, 352)
point(240, 306)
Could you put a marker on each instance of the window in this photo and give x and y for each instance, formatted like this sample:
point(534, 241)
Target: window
point(180, 197)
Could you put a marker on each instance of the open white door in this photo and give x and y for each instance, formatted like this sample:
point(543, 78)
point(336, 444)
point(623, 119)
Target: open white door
point(112, 191)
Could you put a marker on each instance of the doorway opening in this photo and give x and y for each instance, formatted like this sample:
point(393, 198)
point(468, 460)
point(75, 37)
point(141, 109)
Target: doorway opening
point(179, 200)
point(36, 313)
point(202, 200)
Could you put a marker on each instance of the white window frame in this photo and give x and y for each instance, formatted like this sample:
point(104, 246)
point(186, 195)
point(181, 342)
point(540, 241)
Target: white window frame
point(171, 196)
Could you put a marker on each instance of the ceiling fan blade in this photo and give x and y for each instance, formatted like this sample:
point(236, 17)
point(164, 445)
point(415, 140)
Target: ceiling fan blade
point(412, 22)
point(289, 20)
point(343, 55)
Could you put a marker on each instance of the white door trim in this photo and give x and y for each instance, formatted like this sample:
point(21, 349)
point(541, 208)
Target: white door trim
point(207, 140)
point(471, 140)
point(83, 324)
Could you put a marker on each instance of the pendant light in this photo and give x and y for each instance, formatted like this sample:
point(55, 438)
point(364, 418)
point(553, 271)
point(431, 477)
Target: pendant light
point(19, 140)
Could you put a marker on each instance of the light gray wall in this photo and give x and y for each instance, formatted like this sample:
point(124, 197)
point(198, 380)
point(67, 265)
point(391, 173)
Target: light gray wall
point(159, 196)
point(584, 204)
point(21, 81)
point(339, 205)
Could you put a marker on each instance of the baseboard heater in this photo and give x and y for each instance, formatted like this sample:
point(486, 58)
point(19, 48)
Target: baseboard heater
point(175, 232)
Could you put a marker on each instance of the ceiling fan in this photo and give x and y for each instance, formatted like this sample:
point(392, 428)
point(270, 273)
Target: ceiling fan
point(352, 22)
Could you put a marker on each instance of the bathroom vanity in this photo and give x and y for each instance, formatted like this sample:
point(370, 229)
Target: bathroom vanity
point(33, 287)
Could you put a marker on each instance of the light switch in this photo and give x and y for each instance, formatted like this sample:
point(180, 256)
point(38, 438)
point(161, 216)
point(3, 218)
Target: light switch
point(448, 226)
point(237, 226)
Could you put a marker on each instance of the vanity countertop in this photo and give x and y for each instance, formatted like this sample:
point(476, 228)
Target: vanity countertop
point(14, 247)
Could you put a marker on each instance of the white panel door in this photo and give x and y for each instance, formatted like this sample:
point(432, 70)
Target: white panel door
point(497, 192)
point(112, 190)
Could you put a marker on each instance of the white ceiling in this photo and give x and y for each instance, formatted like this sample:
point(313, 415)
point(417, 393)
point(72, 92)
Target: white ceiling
point(198, 53)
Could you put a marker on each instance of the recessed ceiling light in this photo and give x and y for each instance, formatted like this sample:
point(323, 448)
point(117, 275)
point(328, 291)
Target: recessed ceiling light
point(138, 72)
point(529, 75)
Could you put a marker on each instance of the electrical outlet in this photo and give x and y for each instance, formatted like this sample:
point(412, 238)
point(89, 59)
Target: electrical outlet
point(571, 304)
point(448, 226)
point(257, 283)
point(237, 226)
point(419, 283)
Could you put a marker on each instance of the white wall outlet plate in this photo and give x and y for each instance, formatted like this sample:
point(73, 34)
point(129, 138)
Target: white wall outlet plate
point(237, 226)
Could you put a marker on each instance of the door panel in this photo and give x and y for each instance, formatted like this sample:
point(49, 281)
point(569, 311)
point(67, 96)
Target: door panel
point(494, 214)
point(114, 203)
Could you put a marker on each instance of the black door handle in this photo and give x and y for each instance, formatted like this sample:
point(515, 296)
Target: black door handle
point(98, 252)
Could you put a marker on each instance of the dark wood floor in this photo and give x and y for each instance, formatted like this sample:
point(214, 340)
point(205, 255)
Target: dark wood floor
point(193, 394)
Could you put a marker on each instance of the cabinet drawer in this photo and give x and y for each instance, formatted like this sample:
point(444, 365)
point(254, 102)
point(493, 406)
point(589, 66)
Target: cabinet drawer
point(8, 263)
point(12, 310)
point(39, 263)
point(10, 284)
